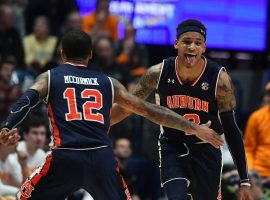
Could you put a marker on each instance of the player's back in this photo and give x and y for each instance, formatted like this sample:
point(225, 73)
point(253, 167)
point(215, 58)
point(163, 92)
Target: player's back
point(79, 102)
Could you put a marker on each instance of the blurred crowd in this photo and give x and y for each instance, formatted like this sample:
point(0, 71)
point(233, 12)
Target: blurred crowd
point(30, 32)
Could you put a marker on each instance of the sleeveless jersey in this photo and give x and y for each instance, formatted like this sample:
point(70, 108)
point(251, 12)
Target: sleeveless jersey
point(196, 102)
point(79, 103)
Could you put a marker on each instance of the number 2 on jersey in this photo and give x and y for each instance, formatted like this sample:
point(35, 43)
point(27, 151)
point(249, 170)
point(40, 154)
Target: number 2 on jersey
point(87, 107)
point(194, 118)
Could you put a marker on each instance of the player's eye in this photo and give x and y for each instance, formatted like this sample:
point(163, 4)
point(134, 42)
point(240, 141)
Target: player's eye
point(187, 42)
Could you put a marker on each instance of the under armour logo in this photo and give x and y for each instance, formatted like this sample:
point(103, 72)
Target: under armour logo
point(170, 80)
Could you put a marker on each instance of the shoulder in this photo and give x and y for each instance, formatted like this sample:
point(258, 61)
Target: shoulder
point(53, 39)
point(260, 112)
point(213, 64)
point(29, 38)
point(21, 146)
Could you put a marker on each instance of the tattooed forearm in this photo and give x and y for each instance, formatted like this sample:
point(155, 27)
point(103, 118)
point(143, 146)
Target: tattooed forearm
point(225, 93)
point(157, 114)
point(143, 89)
point(41, 85)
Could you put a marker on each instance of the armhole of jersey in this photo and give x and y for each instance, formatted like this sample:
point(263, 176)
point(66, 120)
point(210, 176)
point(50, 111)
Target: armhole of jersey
point(222, 68)
point(160, 74)
point(157, 98)
point(112, 90)
point(49, 88)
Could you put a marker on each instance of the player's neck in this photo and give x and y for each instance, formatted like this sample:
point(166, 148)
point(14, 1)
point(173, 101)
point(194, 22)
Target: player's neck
point(190, 73)
point(77, 61)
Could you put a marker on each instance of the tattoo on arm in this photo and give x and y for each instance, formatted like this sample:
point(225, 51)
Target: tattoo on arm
point(143, 89)
point(41, 85)
point(157, 114)
point(225, 93)
point(148, 82)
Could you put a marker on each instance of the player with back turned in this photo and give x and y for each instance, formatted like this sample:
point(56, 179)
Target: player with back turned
point(201, 91)
point(79, 101)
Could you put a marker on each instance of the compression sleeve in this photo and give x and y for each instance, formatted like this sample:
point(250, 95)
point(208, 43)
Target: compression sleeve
point(235, 143)
point(21, 108)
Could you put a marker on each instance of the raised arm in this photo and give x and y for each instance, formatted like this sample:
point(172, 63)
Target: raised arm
point(226, 106)
point(163, 116)
point(143, 89)
point(21, 108)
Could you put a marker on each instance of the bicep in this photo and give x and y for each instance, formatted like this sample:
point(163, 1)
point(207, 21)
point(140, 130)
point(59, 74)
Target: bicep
point(41, 85)
point(225, 93)
point(125, 99)
point(148, 82)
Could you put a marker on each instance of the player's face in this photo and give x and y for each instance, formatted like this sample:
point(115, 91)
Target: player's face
point(190, 46)
point(36, 137)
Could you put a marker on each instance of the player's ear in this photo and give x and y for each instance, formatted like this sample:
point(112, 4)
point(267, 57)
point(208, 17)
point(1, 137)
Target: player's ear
point(176, 44)
point(90, 55)
point(204, 47)
point(63, 55)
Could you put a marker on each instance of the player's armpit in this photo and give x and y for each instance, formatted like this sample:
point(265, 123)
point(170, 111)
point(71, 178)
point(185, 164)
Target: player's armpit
point(41, 85)
point(225, 93)
point(163, 116)
point(143, 89)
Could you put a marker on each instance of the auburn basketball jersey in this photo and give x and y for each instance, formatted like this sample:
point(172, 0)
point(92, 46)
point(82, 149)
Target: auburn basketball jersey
point(195, 102)
point(79, 103)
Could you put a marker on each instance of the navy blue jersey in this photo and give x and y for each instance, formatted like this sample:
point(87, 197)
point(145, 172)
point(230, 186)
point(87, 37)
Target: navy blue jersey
point(79, 104)
point(196, 102)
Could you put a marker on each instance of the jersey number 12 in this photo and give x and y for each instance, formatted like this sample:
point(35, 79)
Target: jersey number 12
point(87, 107)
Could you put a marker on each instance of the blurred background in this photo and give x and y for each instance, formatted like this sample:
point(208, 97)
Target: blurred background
point(128, 37)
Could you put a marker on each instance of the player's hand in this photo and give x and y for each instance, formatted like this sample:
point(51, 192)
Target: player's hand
point(209, 135)
point(244, 193)
point(9, 138)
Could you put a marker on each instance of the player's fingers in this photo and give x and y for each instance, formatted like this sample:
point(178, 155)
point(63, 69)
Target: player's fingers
point(218, 140)
point(14, 139)
point(13, 131)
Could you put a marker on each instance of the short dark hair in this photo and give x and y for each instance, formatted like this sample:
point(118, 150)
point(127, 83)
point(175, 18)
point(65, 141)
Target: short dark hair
point(34, 122)
point(76, 44)
point(8, 60)
point(190, 22)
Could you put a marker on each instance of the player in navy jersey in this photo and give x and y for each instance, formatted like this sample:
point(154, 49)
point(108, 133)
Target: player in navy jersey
point(201, 91)
point(79, 101)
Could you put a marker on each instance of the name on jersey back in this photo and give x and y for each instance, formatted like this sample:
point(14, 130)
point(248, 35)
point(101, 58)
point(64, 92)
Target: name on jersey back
point(80, 80)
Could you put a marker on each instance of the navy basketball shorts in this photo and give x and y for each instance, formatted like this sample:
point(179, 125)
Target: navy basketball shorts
point(66, 171)
point(190, 171)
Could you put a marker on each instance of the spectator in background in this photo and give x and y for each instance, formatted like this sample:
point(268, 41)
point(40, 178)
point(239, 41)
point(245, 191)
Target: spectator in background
point(9, 92)
point(130, 53)
point(55, 10)
point(73, 21)
point(30, 149)
point(104, 60)
point(122, 151)
point(141, 175)
point(101, 22)
point(39, 46)
point(257, 138)
point(10, 171)
point(10, 41)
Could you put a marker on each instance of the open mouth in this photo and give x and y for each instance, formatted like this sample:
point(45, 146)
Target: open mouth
point(190, 57)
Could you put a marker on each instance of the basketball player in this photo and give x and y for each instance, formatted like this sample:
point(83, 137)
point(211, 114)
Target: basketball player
point(200, 90)
point(79, 102)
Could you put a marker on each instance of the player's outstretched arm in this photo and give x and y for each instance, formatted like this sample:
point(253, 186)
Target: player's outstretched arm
point(226, 106)
point(21, 108)
point(163, 116)
point(143, 89)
